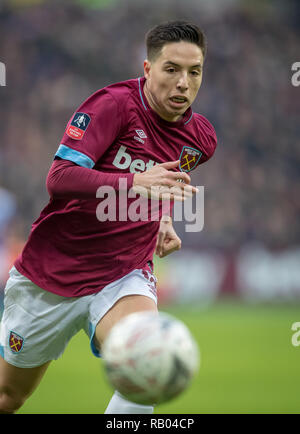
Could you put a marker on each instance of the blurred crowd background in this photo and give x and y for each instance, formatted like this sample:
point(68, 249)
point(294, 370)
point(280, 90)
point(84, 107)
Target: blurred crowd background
point(59, 52)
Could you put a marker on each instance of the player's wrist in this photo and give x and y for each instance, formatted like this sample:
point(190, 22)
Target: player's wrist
point(136, 179)
point(166, 219)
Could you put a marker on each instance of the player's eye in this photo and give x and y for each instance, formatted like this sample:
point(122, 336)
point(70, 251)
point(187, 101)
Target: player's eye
point(195, 73)
point(171, 70)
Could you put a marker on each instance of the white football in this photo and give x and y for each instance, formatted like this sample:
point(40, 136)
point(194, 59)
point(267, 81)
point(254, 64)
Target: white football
point(150, 358)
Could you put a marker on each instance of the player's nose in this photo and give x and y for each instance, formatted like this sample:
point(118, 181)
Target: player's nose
point(182, 83)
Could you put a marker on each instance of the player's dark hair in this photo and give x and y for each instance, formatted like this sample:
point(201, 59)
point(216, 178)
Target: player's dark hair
point(173, 31)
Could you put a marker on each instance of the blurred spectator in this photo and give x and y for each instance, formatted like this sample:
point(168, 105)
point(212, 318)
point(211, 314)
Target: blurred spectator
point(8, 209)
point(7, 213)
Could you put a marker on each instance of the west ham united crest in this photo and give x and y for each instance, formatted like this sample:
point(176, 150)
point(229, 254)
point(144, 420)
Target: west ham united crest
point(15, 342)
point(189, 159)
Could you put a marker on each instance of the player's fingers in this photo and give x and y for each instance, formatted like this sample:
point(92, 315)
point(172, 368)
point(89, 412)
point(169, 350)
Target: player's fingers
point(169, 164)
point(185, 190)
point(171, 195)
point(173, 183)
point(170, 246)
point(160, 242)
point(190, 190)
point(172, 192)
point(179, 176)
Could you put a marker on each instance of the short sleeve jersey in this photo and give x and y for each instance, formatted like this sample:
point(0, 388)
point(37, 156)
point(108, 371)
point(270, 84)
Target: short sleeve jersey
point(70, 250)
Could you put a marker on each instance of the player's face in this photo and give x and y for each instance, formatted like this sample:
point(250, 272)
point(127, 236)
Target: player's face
point(173, 79)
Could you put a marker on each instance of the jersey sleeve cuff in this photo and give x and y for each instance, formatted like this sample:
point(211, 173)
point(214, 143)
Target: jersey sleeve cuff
point(76, 157)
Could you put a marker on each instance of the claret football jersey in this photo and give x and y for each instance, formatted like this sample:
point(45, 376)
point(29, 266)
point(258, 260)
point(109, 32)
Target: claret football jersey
point(71, 250)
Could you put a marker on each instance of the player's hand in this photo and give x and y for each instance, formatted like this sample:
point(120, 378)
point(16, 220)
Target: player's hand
point(167, 239)
point(161, 182)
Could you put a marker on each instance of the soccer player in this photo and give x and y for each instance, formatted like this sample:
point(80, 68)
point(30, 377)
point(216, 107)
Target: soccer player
point(77, 272)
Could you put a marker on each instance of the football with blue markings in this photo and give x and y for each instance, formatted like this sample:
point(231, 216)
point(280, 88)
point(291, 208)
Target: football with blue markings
point(150, 357)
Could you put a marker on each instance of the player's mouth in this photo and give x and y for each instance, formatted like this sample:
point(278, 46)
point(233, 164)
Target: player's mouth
point(178, 101)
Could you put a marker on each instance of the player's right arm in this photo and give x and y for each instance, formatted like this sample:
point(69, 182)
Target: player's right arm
point(89, 133)
point(69, 181)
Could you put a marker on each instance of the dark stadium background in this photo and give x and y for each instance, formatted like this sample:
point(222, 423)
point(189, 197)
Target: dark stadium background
point(237, 282)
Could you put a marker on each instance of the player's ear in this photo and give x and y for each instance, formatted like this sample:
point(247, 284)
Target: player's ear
point(147, 67)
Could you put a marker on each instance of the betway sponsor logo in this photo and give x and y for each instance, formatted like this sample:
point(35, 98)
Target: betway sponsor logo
point(123, 161)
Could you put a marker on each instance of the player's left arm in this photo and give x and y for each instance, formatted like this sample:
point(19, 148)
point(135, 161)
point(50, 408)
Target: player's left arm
point(167, 239)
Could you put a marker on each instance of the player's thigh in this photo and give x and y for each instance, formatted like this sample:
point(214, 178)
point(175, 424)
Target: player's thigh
point(17, 384)
point(124, 306)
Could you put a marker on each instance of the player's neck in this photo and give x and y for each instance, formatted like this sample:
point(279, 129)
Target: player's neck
point(155, 107)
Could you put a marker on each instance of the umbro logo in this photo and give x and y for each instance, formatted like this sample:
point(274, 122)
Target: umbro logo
point(140, 136)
